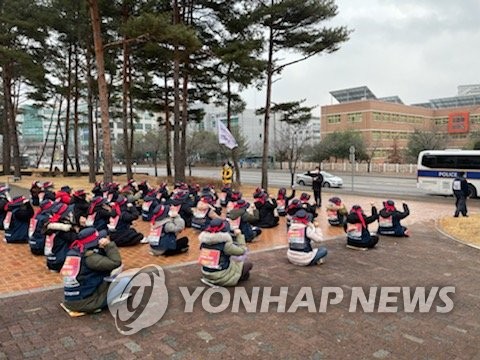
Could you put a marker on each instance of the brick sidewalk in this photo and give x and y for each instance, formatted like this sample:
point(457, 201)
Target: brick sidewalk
point(35, 327)
point(22, 271)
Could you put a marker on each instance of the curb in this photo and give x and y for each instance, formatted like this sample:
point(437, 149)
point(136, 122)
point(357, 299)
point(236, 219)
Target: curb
point(437, 227)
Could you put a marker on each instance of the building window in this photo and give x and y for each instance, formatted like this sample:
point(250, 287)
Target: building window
point(354, 117)
point(333, 119)
point(148, 127)
point(138, 126)
point(440, 121)
point(474, 119)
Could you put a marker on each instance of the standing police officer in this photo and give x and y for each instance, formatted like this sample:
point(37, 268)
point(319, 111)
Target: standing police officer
point(460, 190)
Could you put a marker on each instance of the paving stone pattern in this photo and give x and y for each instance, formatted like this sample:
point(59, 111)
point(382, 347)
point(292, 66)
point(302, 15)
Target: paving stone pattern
point(34, 326)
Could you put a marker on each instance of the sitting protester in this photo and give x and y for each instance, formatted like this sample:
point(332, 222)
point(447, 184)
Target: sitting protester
point(4, 200)
point(300, 235)
point(163, 191)
point(217, 252)
point(389, 220)
point(150, 202)
point(225, 195)
point(292, 209)
point(181, 203)
point(36, 233)
point(98, 188)
point(266, 208)
point(258, 191)
point(48, 192)
point(120, 225)
point(166, 225)
point(64, 195)
point(34, 192)
point(17, 220)
point(112, 192)
point(90, 260)
point(80, 204)
point(131, 194)
point(241, 217)
point(234, 197)
point(336, 211)
point(204, 213)
point(60, 234)
point(356, 228)
point(310, 208)
point(283, 200)
point(99, 213)
point(145, 187)
point(194, 190)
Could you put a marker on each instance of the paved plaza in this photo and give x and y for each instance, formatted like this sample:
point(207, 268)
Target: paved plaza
point(34, 326)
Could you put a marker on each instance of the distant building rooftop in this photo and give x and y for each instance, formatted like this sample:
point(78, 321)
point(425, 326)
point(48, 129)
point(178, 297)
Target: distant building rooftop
point(469, 95)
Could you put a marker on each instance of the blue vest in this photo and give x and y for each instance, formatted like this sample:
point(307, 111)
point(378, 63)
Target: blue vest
point(18, 230)
point(85, 283)
point(224, 261)
point(100, 224)
point(246, 230)
point(167, 241)
point(396, 229)
point(201, 223)
point(147, 214)
point(37, 240)
point(59, 251)
point(307, 247)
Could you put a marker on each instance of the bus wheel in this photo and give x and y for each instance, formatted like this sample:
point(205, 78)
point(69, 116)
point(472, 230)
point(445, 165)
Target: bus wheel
point(472, 192)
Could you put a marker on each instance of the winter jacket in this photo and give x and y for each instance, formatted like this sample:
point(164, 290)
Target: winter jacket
point(244, 224)
point(267, 218)
point(91, 294)
point(389, 221)
point(170, 227)
point(300, 236)
point(357, 234)
point(229, 270)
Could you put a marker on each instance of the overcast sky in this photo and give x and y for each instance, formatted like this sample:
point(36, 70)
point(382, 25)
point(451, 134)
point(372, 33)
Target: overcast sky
point(416, 49)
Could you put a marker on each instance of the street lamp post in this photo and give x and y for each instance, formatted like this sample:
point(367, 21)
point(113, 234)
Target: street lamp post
point(352, 160)
point(274, 139)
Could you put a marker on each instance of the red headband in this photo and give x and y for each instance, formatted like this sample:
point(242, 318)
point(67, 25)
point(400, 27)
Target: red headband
point(80, 243)
point(215, 229)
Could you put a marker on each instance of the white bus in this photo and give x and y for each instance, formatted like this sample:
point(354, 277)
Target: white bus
point(436, 170)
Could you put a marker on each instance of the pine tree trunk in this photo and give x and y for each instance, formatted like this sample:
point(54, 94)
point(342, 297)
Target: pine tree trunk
point(6, 125)
point(48, 132)
point(168, 130)
point(12, 124)
point(67, 115)
point(267, 112)
point(102, 91)
point(78, 169)
point(229, 119)
point(54, 148)
point(91, 130)
point(183, 153)
point(179, 172)
point(125, 98)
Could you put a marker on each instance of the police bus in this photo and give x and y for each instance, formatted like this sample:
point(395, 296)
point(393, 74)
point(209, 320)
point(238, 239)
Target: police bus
point(436, 170)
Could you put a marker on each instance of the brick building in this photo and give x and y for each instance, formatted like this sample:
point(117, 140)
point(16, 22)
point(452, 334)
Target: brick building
point(386, 123)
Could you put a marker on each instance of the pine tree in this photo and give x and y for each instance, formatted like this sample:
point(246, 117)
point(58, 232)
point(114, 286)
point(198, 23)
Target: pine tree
point(293, 25)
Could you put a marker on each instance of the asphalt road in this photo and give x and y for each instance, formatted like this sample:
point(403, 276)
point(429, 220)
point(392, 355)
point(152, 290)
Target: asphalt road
point(404, 186)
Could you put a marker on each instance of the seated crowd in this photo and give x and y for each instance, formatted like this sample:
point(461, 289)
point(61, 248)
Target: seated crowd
point(79, 234)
